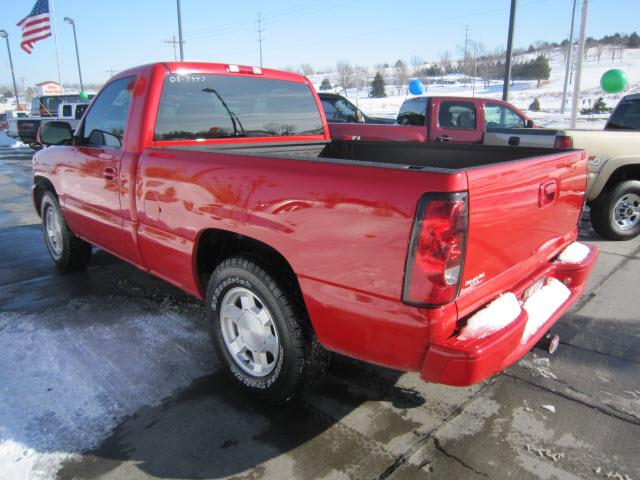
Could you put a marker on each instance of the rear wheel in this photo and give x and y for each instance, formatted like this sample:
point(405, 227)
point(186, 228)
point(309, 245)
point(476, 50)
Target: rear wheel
point(259, 332)
point(616, 213)
point(67, 251)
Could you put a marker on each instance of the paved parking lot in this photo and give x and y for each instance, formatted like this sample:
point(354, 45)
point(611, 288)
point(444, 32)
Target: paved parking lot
point(108, 374)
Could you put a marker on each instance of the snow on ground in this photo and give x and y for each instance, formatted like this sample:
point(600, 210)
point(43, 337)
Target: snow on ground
point(7, 141)
point(80, 375)
point(522, 93)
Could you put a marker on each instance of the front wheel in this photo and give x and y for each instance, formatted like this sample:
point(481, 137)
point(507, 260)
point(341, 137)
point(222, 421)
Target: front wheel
point(67, 251)
point(259, 332)
point(616, 213)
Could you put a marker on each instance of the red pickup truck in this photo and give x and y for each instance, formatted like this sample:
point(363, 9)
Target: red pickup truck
point(441, 119)
point(449, 260)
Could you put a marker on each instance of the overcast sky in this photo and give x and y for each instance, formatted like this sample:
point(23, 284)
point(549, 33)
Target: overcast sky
point(122, 33)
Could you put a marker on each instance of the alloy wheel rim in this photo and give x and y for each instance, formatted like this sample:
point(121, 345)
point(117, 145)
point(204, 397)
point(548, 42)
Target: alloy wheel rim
point(626, 212)
point(53, 231)
point(249, 333)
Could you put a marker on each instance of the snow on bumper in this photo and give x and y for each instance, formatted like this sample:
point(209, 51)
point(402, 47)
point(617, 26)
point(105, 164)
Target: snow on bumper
point(495, 339)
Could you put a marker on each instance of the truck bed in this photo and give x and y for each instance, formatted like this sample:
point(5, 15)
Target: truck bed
point(444, 158)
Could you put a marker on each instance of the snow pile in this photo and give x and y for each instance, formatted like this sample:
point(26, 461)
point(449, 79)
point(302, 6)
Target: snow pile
point(495, 316)
point(574, 253)
point(19, 461)
point(7, 141)
point(542, 304)
point(75, 371)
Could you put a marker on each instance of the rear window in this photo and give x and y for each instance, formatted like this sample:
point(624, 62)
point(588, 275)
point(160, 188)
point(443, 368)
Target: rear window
point(626, 116)
point(413, 112)
point(197, 106)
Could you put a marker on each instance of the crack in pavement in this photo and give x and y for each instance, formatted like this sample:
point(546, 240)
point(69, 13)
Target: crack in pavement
point(614, 414)
point(609, 355)
point(424, 438)
point(441, 449)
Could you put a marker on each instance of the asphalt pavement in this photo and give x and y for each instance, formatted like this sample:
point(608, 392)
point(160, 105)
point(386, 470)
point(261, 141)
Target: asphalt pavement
point(108, 374)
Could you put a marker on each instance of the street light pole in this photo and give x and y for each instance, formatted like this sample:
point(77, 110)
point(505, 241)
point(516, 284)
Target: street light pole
point(75, 39)
point(180, 32)
point(576, 85)
point(507, 65)
point(5, 35)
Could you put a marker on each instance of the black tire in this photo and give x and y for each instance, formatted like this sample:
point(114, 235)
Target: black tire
point(300, 361)
point(603, 211)
point(68, 252)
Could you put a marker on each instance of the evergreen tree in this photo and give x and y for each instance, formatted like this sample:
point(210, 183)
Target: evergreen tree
point(600, 106)
point(540, 69)
point(325, 84)
point(634, 40)
point(535, 105)
point(377, 86)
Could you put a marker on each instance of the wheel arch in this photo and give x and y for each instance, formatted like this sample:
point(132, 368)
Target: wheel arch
point(618, 170)
point(215, 245)
point(40, 186)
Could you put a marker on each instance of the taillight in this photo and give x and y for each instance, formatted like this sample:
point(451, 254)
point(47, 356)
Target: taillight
point(563, 142)
point(436, 250)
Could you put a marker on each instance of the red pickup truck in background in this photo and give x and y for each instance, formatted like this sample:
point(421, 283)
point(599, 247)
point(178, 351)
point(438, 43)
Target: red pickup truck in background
point(444, 119)
point(449, 260)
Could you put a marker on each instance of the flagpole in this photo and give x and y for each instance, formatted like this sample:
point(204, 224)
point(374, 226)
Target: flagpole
point(55, 37)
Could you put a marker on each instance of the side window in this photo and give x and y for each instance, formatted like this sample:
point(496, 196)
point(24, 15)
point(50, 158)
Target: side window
point(105, 123)
point(457, 115)
point(346, 110)
point(413, 112)
point(499, 116)
point(329, 110)
point(66, 110)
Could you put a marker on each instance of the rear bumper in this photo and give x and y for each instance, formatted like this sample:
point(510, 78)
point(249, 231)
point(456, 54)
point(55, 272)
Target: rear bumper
point(465, 362)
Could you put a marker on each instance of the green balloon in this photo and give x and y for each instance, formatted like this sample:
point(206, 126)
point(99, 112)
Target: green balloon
point(84, 96)
point(613, 81)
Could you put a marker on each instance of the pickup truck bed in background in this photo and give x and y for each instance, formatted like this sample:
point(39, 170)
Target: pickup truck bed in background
point(381, 251)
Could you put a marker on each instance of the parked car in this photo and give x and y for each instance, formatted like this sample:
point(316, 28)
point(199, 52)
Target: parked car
point(450, 260)
point(25, 128)
point(440, 119)
point(7, 117)
point(613, 191)
point(340, 110)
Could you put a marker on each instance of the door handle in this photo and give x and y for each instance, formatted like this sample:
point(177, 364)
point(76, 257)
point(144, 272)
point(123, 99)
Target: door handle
point(443, 138)
point(514, 141)
point(109, 174)
point(105, 156)
point(548, 193)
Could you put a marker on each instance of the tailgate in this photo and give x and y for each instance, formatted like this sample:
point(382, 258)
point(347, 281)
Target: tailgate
point(520, 137)
point(521, 214)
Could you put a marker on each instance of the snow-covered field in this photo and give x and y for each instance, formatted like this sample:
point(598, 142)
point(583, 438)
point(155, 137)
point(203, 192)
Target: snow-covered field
point(522, 93)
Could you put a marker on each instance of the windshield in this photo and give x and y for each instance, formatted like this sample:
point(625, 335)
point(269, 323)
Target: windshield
point(626, 116)
point(196, 106)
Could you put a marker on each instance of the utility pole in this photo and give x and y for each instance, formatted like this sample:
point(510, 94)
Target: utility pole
point(507, 64)
point(5, 35)
point(576, 85)
point(260, 36)
point(173, 42)
point(111, 72)
point(567, 67)
point(180, 31)
point(466, 43)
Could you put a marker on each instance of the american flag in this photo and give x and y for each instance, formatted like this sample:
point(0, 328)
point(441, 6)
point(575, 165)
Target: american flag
point(35, 26)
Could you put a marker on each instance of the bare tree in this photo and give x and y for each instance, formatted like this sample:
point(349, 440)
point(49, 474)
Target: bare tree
point(360, 76)
point(416, 61)
point(307, 69)
point(599, 49)
point(444, 60)
point(400, 75)
point(345, 74)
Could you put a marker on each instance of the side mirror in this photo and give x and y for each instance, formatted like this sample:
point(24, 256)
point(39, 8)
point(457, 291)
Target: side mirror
point(530, 124)
point(359, 117)
point(55, 133)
